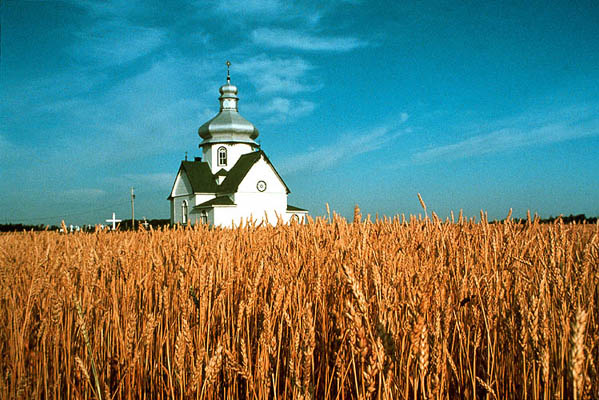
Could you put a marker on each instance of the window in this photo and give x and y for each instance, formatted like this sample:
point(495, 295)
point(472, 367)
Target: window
point(184, 212)
point(222, 156)
point(204, 217)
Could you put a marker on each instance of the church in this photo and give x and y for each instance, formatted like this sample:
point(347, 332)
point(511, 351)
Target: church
point(234, 181)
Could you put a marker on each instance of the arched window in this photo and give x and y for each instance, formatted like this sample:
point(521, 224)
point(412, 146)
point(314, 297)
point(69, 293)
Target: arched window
point(184, 212)
point(204, 217)
point(222, 156)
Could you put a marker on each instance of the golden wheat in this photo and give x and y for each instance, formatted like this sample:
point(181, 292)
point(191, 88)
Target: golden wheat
point(386, 309)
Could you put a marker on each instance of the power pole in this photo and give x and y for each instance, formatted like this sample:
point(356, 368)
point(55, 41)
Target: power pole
point(132, 209)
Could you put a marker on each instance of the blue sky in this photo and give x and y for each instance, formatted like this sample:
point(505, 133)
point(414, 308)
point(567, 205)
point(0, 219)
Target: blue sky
point(474, 105)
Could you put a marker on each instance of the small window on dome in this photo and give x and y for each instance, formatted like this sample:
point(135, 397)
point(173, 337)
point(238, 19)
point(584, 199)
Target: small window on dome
point(222, 156)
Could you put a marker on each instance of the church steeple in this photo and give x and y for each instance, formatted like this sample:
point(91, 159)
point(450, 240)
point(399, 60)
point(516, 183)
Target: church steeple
point(228, 126)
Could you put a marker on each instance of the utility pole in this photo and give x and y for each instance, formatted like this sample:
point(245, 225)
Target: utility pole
point(132, 209)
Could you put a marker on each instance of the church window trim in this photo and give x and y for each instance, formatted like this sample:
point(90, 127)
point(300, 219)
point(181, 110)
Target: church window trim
point(221, 154)
point(184, 208)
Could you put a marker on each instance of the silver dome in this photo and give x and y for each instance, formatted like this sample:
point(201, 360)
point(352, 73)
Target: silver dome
point(228, 125)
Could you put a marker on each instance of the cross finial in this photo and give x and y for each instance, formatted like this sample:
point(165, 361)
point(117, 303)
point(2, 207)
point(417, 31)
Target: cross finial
point(228, 76)
point(185, 156)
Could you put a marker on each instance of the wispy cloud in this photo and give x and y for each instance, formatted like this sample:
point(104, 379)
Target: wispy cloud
point(345, 148)
point(147, 114)
point(522, 131)
point(303, 41)
point(281, 75)
point(117, 32)
point(253, 7)
point(116, 42)
point(280, 110)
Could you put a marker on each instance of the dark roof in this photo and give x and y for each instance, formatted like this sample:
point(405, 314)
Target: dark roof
point(200, 176)
point(202, 180)
point(240, 170)
point(217, 201)
point(294, 208)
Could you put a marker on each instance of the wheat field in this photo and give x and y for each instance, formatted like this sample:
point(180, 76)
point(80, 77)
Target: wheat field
point(388, 309)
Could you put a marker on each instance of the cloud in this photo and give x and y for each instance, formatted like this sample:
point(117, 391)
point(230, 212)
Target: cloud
point(117, 42)
point(117, 32)
point(303, 41)
point(348, 146)
point(150, 112)
point(280, 75)
point(252, 7)
point(281, 110)
point(527, 130)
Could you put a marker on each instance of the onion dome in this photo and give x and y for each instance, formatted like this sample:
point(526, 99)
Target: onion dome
point(228, 126)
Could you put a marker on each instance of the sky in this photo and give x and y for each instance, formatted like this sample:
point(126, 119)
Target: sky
point(476, 105)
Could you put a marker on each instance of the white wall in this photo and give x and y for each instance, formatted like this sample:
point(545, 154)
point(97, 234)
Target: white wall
point(182, 185)
point(253, 204)
point(261, 171)
point(202, 198)
point(234, 151)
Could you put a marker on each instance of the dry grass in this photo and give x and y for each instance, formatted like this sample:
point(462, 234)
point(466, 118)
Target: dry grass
point(389, 309)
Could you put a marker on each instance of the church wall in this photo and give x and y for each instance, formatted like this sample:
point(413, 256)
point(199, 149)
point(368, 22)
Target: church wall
point(225, 216)
point(172, 204)
point(182, 185)
point(261, 171)
point(195, 216)
point(234, 151)
point(176, 207)
point(270, 204)
point(202, 198)
point(261, 205)
point(207, 156)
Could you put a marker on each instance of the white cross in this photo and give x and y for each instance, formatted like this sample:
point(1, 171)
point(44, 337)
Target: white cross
point(114, 221)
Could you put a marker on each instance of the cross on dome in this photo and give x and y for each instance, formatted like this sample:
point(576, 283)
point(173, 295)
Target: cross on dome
point(228, 75)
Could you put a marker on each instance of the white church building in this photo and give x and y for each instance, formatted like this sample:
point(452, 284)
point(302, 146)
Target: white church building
point(234, 181)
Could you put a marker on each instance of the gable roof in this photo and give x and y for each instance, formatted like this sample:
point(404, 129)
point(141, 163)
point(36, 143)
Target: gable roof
point(217, 201)
point(199, 175)
point(240, 170)
point(203, 181)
